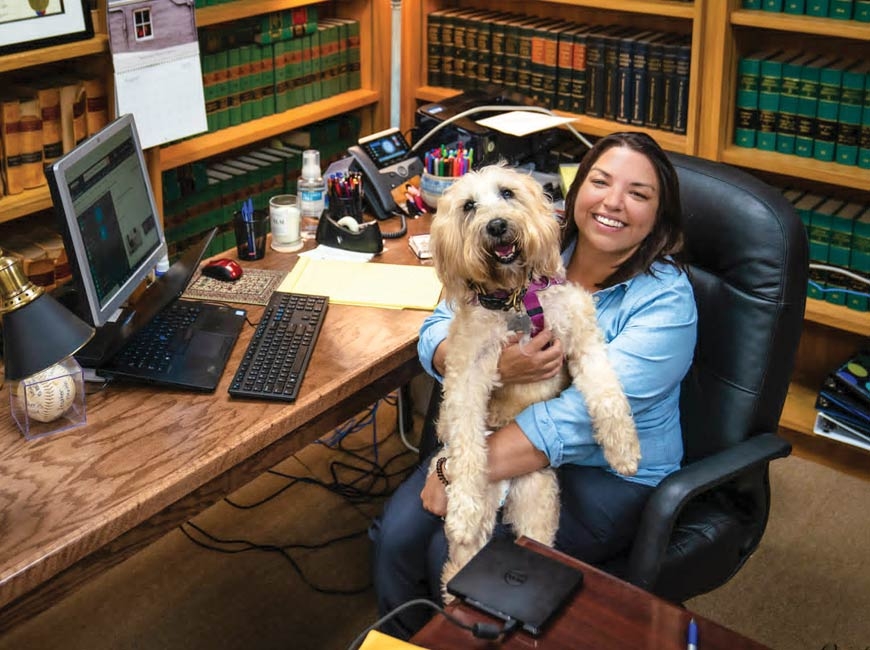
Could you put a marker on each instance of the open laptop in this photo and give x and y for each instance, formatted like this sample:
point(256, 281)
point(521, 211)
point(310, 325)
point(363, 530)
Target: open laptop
point(512, 582)
point(193, 357)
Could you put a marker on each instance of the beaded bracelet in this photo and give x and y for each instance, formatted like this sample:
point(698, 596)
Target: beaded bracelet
point(439, 470)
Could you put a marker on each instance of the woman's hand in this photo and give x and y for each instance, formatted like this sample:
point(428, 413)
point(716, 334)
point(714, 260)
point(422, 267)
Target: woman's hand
point(524, 362)
point(434, 495)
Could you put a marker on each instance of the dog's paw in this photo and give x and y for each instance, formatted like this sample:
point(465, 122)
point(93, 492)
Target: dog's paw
point(625, 459)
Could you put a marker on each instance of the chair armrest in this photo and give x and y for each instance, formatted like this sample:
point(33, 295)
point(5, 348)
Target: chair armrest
point(664, 505)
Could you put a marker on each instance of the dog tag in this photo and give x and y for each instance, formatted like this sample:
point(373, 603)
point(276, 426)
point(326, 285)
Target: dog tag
point(521, 323)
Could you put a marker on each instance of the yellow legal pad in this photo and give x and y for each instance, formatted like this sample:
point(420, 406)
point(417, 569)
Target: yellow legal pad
point(379, 641)
point(395, 286)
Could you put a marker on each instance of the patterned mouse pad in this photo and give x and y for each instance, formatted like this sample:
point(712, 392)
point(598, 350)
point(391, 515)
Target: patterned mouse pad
point(255, 287)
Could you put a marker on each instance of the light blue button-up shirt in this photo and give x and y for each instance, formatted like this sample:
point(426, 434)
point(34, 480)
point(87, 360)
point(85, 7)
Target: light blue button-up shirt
point(649, 324)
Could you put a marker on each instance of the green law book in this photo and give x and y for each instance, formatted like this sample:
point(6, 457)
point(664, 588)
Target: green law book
point(821, 218)
point(280, 52)
point(246, 82)
point(860, 258)
point(841, 9)
point(816, 285)
point(771, 5)
point(792, 195)
point(818, 8)
point(769, 91)
point(786, 118)
point(354, 73)
point(828, 110)
point(751, 4)
point(862, 11)
point(794, 7)
point(234, 85)
point(849, 123)
point(805, 205)
point(808, 105)
point(864, 134)
point(842, 227)
point(746, 109)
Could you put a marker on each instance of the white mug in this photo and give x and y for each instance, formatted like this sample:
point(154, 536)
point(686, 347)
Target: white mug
point(284, 217)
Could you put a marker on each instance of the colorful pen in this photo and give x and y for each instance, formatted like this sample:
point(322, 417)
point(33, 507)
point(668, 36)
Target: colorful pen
point(692, 643)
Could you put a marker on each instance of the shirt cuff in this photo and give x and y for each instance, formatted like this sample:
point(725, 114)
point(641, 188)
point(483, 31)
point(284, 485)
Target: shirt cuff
point(539, 428)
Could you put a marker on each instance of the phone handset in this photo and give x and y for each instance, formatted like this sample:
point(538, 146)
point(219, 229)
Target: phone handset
point(376, 188)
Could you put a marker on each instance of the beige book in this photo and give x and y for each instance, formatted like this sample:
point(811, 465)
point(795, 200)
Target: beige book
point(30, 127)
point(72, 113)
point(96, 104)
point(10, 123)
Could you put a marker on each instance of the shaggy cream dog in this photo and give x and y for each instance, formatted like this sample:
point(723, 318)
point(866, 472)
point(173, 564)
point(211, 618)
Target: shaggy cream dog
point(495, 244)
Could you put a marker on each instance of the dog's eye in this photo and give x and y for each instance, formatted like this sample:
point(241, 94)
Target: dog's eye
point(507, 193)
point(468, 206)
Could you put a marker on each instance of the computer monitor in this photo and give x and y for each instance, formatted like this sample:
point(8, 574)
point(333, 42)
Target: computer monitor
point(108, 217)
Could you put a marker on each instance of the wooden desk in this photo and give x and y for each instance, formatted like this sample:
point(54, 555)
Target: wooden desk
point(78, 502)
point(606, 614)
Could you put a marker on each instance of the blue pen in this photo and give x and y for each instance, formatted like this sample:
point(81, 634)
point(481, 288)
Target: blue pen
point(248, 217)
point(692, 643)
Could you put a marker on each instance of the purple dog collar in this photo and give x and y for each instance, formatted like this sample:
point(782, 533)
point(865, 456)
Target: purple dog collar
point(525, 298)
point(533, 305)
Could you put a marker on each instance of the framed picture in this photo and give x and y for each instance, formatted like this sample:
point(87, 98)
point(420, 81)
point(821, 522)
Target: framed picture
point(30, 24)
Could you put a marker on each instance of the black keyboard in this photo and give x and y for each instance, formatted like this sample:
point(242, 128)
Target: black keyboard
point(278, 355)
point(167, 333)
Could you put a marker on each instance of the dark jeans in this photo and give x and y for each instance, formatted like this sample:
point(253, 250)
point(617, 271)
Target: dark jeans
point(599, 518)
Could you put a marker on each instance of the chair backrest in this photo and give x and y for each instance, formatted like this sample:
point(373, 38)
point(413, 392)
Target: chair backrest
point(748, 257)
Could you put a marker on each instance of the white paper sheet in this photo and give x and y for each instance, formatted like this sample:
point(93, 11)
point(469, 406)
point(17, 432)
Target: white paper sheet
point(523, 122)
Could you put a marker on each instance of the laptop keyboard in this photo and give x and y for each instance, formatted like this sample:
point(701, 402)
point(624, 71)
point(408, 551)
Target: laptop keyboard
point(278, 354)
point(168, 333)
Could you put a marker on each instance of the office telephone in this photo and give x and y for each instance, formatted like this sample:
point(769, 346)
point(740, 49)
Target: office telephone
point(387, 164)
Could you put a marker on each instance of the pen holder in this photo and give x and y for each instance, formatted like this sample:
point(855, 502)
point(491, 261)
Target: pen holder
point(432, 187)
point(251, 235)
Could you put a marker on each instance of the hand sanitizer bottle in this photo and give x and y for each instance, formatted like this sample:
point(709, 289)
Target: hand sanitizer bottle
point(311, 186)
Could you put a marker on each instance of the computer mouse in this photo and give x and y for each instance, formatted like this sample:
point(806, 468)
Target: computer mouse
point(223, 269)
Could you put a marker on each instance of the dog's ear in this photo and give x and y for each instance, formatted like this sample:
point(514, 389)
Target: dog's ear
point(544, 230)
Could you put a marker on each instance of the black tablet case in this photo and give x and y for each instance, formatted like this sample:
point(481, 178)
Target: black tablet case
point(515, 582)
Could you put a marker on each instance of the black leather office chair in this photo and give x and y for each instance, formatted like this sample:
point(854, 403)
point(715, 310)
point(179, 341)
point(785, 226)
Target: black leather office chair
point(747, 252)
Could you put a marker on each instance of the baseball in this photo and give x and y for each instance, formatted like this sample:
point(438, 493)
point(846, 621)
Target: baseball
point(48, 393)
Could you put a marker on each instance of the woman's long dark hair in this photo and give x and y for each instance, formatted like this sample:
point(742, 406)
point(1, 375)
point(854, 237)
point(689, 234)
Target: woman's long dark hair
point(665, 240)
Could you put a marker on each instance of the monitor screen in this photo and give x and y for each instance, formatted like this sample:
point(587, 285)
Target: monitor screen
point(109, 218)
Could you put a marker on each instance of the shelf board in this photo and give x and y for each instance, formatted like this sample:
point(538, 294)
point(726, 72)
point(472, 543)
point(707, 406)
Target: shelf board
point(19, 205)
point(238, 9)
point(770, 161)
point(211, 144)
point(99, 44)
point(802, 24)
point(838, 317)
point(668, 8)
point(586, 125)
point(799, 412)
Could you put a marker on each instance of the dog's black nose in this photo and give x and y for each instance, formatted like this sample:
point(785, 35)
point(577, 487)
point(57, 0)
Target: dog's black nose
point(496, 227)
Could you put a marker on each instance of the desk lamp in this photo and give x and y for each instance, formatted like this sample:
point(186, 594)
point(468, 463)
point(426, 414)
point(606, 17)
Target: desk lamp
point(39, 337)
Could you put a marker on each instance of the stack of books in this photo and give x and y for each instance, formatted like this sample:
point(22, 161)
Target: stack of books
point(843, 403)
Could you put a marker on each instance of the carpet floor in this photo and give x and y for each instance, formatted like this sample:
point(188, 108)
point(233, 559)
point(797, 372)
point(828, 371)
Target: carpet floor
point(283, 563)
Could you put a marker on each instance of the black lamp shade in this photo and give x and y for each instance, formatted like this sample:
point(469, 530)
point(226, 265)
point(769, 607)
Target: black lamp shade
point(40, 334)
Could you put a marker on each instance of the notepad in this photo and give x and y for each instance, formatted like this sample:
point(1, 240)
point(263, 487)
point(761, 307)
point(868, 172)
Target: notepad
point(394, 286)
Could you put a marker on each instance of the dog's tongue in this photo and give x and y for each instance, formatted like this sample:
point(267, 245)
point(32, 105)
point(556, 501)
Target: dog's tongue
point(504, 250)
